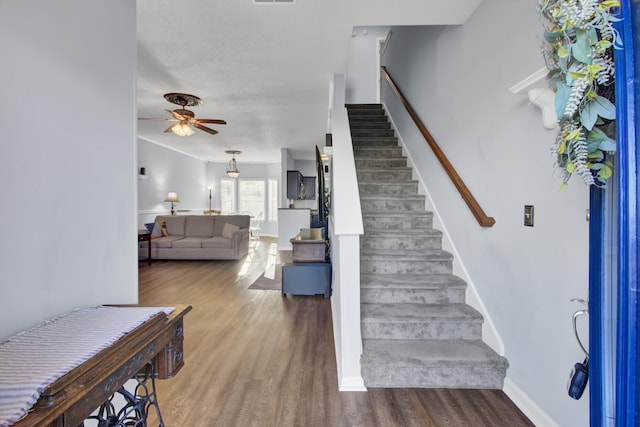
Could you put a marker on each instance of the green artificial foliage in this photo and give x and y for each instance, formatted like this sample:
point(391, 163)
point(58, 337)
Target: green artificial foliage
point(580, 39)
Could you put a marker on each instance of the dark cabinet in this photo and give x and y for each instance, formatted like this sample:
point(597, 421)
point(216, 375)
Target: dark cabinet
point(295, 185)
point(300, 187)
point(309, 187)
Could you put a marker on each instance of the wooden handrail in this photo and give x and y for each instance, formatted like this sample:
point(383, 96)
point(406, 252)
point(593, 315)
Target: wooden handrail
point(476, 210)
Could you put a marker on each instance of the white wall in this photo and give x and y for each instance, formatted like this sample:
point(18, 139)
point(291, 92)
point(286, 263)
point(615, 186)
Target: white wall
point(362, 65)
point(168, 170)
point(457, 79)
point(67, 158)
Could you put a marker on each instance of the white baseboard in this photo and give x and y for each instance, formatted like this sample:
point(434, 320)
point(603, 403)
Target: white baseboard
point(351, 384)
point(527, 406)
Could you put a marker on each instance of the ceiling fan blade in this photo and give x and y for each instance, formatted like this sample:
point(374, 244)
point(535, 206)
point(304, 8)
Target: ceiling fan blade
point(177, 116)
point(204, 128)
point(156, 118)
point(217, 121)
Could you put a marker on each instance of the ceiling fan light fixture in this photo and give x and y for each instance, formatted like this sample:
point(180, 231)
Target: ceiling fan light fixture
point(232, 170)
point(182, 129)
point(185, 119)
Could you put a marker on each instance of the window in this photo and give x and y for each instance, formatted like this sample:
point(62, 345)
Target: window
point(227, 196)
point(272, 201)
point(254, 195)
point(251, 196)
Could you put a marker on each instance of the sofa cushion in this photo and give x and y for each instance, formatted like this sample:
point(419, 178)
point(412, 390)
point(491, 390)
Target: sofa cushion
point(241, 221)
point(199, 225)
point(229, 229)
point(162, 242)
point(216, 242)
point(175, 224)
point(188, 242)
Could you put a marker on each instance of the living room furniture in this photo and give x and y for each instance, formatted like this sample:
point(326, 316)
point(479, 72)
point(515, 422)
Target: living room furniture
point(200, 237)
point(310, 271)
point(306, 278)
point(145, 236)
point(152, 350)
point(309, 245)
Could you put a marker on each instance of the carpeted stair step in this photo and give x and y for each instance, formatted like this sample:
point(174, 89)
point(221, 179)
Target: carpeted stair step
point(377, 174)
point(375, 141)
point(392, 203)
point(432, 364)
point(425, 261)
point(375, 152)
point(381, 162)
point(399, 239)
point(356, 116)
point(373, 124)
point(370, 111)
point(384, 220)
point(370, 125)
point(371, 188)
point(359, 133)
point(420, 321)
point(359, 112)
point(412, 289)
point(374, 114)
point(369, 106)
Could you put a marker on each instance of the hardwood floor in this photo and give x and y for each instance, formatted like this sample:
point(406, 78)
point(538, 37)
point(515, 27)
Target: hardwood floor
point(254, 358)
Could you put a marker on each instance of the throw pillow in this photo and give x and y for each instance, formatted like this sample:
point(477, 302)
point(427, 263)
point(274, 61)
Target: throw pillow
point(149, 226)
point(229, 229)
point(159, 230)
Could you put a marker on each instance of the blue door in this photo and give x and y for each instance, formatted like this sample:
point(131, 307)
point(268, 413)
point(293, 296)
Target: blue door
point(614, 251)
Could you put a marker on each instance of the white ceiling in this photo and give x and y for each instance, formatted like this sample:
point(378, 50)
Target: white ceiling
point(264, 68)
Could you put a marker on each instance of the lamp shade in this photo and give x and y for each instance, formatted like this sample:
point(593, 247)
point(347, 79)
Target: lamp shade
point(172, 196)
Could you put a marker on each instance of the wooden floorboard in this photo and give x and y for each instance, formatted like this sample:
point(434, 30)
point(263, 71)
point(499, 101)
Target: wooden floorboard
point(254, 358)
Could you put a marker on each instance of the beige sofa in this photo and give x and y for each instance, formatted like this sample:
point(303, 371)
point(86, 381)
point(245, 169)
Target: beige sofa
point(199, 237)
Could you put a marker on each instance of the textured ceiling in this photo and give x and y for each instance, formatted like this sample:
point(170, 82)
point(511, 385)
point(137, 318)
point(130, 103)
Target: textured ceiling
point(264, 68)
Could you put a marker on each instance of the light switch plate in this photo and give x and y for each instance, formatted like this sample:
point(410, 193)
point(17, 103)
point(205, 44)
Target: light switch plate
point(528, 215)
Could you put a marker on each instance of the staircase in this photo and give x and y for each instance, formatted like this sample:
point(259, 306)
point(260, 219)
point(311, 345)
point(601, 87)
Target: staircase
point(417, 330)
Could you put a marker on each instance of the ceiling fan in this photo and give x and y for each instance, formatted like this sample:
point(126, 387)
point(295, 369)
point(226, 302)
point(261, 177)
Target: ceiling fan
point(184, 118)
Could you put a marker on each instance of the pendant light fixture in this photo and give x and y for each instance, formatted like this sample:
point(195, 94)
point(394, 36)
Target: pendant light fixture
point(232, 170)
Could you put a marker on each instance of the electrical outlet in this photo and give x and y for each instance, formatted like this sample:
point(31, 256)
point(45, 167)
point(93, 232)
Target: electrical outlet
point(528, 215)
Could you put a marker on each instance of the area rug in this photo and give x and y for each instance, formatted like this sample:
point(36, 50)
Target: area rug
point(270, 280)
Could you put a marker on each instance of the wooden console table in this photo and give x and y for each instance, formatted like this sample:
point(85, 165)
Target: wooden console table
point(155, 346)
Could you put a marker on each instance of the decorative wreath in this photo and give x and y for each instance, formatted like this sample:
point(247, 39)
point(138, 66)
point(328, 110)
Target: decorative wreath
point(580, 39)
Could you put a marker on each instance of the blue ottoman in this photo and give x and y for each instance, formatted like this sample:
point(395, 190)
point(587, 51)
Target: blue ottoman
point(306, 278)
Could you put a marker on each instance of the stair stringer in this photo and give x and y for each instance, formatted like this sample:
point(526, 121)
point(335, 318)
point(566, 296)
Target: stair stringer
point(490, 333)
